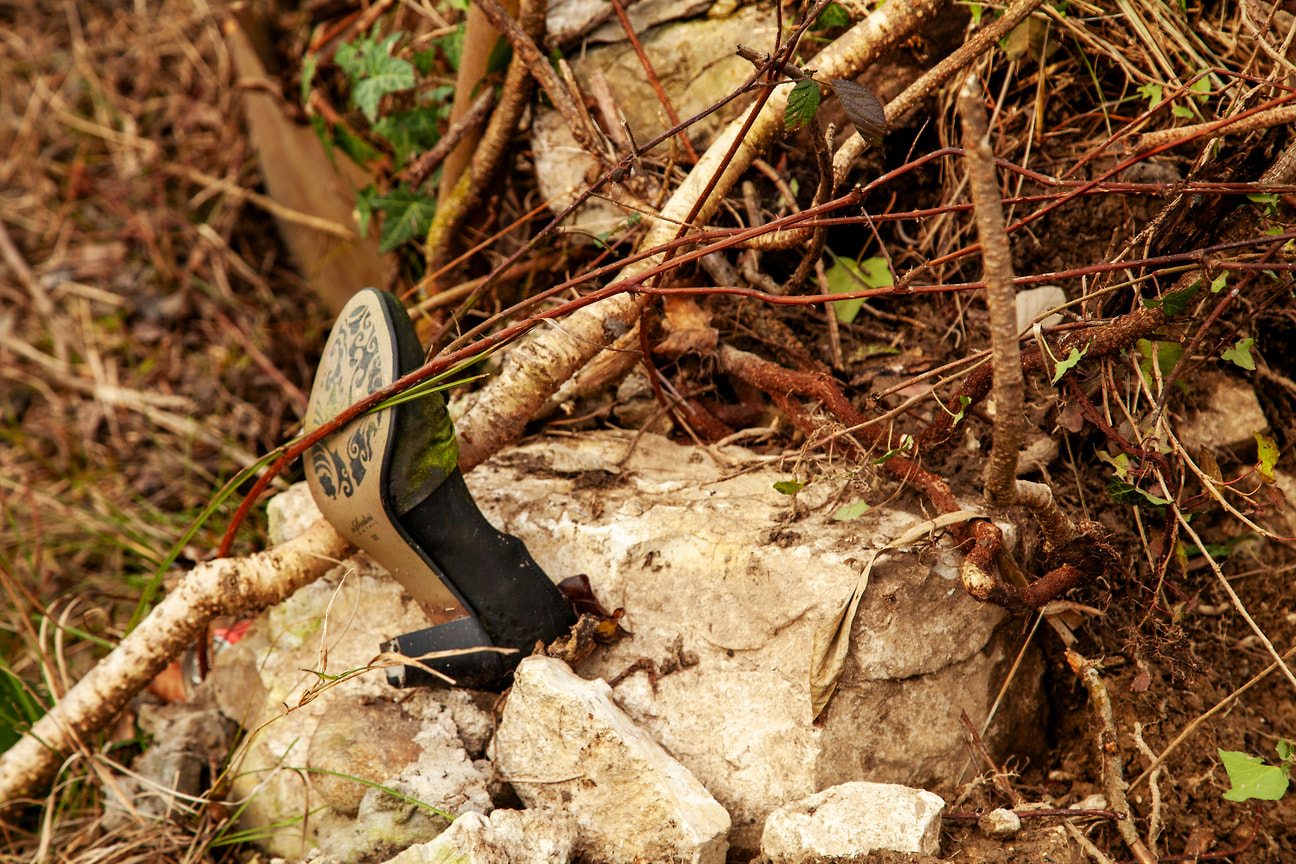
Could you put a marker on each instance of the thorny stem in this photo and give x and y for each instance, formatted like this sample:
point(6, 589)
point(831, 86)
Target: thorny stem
point(1000, 490)
point(652, 77)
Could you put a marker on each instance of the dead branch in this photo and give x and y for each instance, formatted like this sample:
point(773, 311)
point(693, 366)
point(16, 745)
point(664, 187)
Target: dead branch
point(221, 587)
point(538, 65)
point(1280, 116)
point(463, 198)
point(540, 365)
point(1109, 754)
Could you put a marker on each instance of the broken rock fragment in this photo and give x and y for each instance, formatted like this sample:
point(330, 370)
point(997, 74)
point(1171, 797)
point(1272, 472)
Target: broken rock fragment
point(853, 819)
point(505, 837)
point(565, 746)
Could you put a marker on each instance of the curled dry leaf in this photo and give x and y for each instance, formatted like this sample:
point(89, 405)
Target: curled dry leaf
point(688, 328)
point(863, 108)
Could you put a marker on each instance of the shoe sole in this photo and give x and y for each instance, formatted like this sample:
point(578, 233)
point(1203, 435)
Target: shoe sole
point(348, 471)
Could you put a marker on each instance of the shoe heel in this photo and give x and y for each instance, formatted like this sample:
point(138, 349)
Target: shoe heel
point(516, 601)
point(480, 670)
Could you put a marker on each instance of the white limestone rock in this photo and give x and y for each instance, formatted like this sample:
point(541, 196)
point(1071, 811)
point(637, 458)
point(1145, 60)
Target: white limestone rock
point(563, 744)
point(851, 820)
point(506, 837)
point(739, 577)
point(1000, 824)
point(1228, 416)
point(264, 679)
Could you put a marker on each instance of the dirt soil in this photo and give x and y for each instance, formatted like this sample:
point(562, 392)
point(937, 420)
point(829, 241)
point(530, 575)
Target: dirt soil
point(157, 337)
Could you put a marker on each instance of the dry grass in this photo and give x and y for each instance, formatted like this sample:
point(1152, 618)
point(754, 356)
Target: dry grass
point(152, 339)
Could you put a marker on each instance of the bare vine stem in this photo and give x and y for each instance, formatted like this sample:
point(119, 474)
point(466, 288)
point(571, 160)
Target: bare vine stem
point(996, 257)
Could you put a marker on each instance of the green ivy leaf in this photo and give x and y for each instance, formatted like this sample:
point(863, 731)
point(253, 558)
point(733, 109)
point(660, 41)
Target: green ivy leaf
point(906, 441)
point(1240, 354)
point(1268, 199)
point(802, 105)
point(1167, 355)
point(1174, 302)
point(373, 72)
point(977, 10)
point(309, 66)
point(1125, 493)
point(845, 276)
point(1153, 93)
point(365, 207)
point(788, 487)
point(1120, 462)
point(358, 149)
point(409, 131)
point(1200, 89)
point(409, 215)
point(1252, 779)
point(1181, 111)
point(1068, 363)
point(1218, 283)
point(1266, 456)
point(850, 511)
point(500, 56)
point(452, 45)
point(833, 15)
point(964, 402)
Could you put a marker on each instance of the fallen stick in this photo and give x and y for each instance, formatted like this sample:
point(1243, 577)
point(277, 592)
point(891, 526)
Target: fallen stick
point(541, 364)
point(221, 587)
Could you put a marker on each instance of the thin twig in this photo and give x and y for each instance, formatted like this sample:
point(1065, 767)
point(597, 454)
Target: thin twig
point(1108, 744)
point(419, 170)
point(653, 79)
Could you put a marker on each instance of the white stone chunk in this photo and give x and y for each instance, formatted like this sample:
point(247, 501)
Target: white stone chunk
point(505, 837)
point(1228, 415)
point(854, 819)
point(726, 581)
point(564, 745)
point(1000, 824)
point(351, 728)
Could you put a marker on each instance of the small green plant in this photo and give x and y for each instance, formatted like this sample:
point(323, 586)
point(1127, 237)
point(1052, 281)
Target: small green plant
point(1253, 780)
point(862, 108)
point(851, 511)
point(1240, 354)
point(394, 88)
point(832, 17)
point(846, 276)
point(1167, 354)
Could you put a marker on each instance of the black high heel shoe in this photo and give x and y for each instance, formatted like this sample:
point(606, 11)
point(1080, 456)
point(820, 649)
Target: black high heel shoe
point(390, 484)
